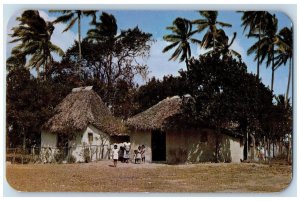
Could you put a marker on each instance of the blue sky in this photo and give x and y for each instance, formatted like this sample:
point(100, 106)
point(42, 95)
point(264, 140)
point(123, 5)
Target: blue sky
point(155, 22)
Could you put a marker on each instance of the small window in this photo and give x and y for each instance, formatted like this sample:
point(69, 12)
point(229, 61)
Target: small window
point(203, 136)
point(90, 135)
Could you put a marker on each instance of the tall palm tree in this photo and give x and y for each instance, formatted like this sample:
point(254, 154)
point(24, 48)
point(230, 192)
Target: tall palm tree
point(210, 23)
point(33, 35)
point(254, 21)
point(223, 46)
point(267, 45)
point(180, 39)
point(72, 16)
point(105, 32)
point(285, 53)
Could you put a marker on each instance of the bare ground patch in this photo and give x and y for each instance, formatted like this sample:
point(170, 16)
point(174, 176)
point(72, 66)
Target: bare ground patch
point(101, 177)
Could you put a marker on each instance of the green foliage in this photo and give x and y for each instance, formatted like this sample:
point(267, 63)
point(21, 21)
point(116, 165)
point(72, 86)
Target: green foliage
point(180, 38)
point(213, 35)
point(225, 92)
point(34, 33)
point(156, 90)
point(30, 103)
point(71, 159)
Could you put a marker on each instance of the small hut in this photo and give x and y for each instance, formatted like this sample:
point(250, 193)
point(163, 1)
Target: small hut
point(168, 138)
point(81, 129)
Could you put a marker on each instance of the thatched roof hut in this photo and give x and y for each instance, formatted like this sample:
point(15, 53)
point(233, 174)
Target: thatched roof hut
point(159, 115)
point(171, 133)
point(80, 108)
point(173, 112)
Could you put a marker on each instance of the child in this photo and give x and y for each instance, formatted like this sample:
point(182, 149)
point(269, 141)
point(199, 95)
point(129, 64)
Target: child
point(135, 156)
point(138, 155)
point(143, 150)
point(115, 155)
point(126, 152)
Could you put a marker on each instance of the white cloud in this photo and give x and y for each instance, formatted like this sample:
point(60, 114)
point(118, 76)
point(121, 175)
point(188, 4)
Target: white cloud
point(158, 62)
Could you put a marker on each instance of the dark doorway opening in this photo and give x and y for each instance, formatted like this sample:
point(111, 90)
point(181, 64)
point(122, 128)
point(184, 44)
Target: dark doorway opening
point(63, 145)
point(158, 143)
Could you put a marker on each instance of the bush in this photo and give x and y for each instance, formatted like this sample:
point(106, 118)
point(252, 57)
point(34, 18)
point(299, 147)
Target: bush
point(59, 157)
point(86, 155)
point(71, 159)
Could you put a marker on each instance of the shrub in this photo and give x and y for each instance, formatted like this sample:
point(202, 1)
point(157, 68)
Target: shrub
point(71, 159)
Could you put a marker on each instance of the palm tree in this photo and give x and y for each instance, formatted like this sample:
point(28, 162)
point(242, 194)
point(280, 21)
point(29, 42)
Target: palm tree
point(210, 23)
point(105, 32)
point(267, 45)
point(255, 22)
point(285, 53)
point(180, 38)
point(72, 16)
point(34, 34)
point(223, 46)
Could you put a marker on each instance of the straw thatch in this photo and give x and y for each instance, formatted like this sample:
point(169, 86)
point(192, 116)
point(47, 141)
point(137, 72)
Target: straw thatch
point(158, 115)
point(80, 108)
point(174, 112)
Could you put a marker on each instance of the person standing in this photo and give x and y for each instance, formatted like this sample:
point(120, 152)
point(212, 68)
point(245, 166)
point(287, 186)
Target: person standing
point(143, 150)
point(126, 151)
point(139, 155)
point(115, 155)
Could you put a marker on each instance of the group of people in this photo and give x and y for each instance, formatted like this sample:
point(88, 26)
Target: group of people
point(123, 154)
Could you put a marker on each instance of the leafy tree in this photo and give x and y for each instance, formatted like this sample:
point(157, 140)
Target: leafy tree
point(278, 122)
point(119, 56)
point(210, 23)
point(33, 35)
point(225, 93)
point(180, 38)
point(30, 103)
point(156, 90)
point(255, 22)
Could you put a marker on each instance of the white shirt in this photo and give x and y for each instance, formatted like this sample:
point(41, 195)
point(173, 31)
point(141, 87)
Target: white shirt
point(115, 153)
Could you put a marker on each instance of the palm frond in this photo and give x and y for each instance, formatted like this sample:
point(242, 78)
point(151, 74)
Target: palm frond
point(167, 48)
point(223, 24)
point(64, 18)
point(70, 24)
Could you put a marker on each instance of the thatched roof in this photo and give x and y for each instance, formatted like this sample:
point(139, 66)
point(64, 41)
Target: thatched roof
point(80, 108)
point(158, 115)
point(174, 111)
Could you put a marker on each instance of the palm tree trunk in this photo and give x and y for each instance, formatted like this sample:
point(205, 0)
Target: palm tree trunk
point(79, 37)
point(79, 42)
point(288, 84)
point(258, 51)
point(273, 70)
point(38, 72)
point(214, 42)
point(187, 63)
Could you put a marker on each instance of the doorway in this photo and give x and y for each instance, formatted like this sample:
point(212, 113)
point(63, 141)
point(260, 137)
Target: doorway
point(158, 145)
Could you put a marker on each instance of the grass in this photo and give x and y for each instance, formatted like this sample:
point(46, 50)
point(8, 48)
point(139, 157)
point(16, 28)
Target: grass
point(101, 177)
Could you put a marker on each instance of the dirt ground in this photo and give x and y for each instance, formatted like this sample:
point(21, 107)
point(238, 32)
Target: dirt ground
point(102, 177)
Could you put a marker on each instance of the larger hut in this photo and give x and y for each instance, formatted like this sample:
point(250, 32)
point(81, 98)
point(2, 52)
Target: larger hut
point(169, 138)
point(81, 129)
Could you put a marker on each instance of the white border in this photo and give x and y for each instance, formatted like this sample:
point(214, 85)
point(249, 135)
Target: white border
point(213, 4)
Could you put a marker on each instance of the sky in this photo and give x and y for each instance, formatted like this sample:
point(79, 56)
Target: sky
point(155, 22)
